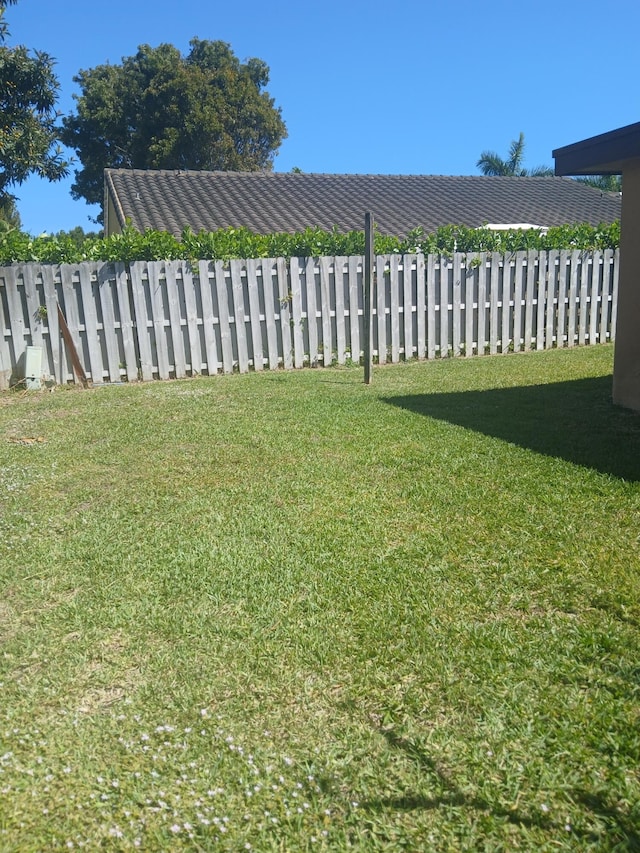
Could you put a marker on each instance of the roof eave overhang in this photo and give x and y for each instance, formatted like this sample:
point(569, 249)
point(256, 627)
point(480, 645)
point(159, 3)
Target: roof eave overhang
point(111, 193)
point(606, 154)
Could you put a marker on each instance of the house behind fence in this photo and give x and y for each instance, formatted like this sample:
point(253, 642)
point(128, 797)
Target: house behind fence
point(160, 320)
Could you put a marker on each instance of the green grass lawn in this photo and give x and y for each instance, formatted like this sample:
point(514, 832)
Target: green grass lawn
point(291, 612)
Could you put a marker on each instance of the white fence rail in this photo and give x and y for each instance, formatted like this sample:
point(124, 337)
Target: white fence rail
point(160, 320)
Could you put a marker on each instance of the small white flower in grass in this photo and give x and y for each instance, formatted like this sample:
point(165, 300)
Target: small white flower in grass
point(544, 808)
point(67, 770)
point(175, 828)
point(567, 826)
point(288, 761)
point(204, 712)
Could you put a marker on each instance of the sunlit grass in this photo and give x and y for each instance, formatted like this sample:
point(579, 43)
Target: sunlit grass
point(406, 613)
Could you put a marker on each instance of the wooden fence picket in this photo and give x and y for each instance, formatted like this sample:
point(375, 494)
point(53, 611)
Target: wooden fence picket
point(421, 307)
point(431, 306)
point(506, 307)
point(381, 310)
point(444, 307)
point(541, 280)
point(209, 320)
point(300, 320)
point(456, 303)
point(355, 290)
point(391, 267)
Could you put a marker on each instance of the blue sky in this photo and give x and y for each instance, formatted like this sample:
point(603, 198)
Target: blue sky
point(402, 87)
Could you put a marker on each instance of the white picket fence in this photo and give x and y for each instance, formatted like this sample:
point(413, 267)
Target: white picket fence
point(160, 320)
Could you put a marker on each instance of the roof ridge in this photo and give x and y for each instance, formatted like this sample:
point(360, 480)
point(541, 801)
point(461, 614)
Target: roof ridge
point(301, 175)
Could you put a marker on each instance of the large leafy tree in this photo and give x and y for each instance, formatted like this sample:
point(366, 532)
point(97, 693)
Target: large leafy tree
point(28, 133)
point(493, 164)
point(161, 110)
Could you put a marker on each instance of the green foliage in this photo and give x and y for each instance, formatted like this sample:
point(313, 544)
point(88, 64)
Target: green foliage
point(9, 215)
point(162, 110)
point(606, 183)
point(493, 164)
point(131, 245)
point(28, 132)
point(3, 23)
point(458, 238)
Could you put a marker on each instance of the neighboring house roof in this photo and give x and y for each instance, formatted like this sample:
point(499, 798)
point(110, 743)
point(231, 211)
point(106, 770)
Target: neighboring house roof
point(272, 202)
point(600, 155)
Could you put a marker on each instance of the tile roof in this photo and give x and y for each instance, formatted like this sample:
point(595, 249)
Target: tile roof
point(271, 202)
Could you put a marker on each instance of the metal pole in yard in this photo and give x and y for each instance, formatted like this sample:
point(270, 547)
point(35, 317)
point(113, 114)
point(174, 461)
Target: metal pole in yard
point(367, 283)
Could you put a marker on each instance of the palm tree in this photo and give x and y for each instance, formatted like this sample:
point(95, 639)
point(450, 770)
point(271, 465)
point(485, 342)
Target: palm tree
point(492, 164)
point(606, 183)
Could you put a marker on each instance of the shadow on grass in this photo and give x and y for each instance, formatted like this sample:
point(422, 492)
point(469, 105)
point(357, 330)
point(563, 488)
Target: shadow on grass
point(450, 794)
point(621, 829)
point(573, 420)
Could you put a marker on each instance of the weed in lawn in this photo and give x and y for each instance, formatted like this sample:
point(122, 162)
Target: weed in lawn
point(159, 785)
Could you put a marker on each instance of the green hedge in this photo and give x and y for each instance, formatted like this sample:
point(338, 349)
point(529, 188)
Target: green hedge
point(17, 247)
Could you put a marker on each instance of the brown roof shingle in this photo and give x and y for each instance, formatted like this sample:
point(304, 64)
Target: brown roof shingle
point(271, 202)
